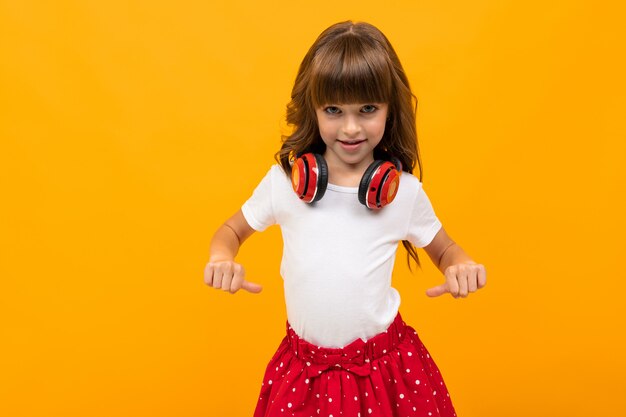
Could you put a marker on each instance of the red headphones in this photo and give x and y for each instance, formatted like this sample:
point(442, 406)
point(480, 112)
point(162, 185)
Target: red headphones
point(378, 187)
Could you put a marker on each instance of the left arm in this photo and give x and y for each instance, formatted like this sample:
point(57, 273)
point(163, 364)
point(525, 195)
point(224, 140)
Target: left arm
point(463, 275)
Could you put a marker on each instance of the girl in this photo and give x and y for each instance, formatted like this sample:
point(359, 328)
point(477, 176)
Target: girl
point(344, 196)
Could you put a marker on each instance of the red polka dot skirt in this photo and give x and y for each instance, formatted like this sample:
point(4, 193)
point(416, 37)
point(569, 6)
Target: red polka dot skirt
point(390, 375)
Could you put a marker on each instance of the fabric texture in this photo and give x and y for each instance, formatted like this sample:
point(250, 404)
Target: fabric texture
point(390, 375)
point(338, 256)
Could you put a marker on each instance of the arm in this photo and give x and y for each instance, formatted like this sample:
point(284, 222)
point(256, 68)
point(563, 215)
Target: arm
point(229, 238)
point(222, 272)
point(443, 251)
point(463, 275)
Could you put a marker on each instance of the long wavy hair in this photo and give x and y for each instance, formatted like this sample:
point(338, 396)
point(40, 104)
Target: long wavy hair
point(353, 63)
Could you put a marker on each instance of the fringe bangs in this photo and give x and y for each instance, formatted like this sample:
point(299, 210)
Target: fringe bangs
point(348, 71)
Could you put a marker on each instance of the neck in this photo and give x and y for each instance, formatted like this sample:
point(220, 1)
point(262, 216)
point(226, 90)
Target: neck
point(347, 175)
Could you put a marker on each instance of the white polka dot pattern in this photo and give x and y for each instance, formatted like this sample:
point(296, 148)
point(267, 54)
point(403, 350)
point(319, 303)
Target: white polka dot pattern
point(390, 375)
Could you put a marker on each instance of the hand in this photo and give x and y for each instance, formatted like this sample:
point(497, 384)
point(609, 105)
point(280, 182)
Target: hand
point(229, 276)
point(461, 279)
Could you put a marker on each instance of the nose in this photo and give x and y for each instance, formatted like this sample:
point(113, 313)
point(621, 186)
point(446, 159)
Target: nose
point(351, 126)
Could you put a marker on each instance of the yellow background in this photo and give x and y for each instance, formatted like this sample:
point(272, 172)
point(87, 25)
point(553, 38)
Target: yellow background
point(131, 130)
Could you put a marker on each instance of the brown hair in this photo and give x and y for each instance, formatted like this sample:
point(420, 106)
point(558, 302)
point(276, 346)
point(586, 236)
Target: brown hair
point(353, 63)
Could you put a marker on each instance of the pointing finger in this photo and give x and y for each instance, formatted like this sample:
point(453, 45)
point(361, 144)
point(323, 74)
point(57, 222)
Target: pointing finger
point(252, 287)
point(437, 291)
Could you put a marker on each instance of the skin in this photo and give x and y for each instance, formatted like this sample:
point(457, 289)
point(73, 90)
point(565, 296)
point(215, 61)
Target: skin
point(337, 123)
point(345, 123)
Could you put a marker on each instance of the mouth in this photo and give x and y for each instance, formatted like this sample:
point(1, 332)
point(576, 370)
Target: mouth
point(351, 145)
point(352, 142)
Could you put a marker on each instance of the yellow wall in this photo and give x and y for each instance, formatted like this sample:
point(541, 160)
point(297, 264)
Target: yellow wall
point(130, 130)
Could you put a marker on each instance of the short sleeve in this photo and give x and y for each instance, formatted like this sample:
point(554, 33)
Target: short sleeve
point(258, 209)
point(423, 222)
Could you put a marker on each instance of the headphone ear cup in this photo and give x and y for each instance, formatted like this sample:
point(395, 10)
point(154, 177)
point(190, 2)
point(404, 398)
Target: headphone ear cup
point(322, 177)
point(366, 182)
point(309, 177)
point(390, 183)
point(379, 185)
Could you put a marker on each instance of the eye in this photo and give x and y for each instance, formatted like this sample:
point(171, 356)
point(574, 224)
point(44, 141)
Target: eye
point(332, 110)
point(369, 108)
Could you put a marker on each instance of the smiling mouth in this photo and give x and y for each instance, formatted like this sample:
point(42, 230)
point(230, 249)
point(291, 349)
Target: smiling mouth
point(352, 142)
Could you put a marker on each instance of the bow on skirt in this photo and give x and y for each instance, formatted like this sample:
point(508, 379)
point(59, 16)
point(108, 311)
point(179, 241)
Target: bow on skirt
point(318, 360)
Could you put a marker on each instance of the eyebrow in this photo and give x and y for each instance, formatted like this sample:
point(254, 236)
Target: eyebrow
point(369, 103)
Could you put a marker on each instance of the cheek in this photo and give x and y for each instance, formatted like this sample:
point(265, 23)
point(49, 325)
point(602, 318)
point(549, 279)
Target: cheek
point(377, 127)
point(326, 131)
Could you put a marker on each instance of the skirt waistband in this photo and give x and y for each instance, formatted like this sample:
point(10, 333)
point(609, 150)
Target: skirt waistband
point(355, 357)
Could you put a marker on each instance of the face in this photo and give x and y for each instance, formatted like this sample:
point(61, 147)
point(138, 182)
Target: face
point(351, 132)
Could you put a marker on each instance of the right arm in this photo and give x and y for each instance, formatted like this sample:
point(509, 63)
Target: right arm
point(222, 272)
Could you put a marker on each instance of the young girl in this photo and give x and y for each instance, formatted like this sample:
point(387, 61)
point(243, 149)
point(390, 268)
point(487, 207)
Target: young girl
point(344, 196)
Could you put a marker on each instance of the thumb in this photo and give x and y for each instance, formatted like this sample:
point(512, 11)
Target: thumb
point(251, 287)
point(437, 291)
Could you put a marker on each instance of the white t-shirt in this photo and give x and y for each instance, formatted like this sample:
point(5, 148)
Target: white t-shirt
point(338, 255)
